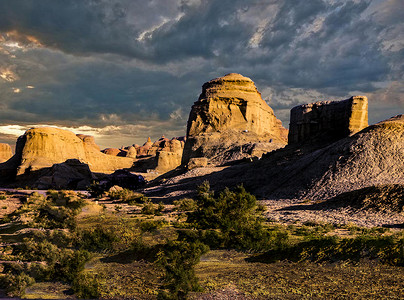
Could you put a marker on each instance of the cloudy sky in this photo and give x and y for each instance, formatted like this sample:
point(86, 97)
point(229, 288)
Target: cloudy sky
point(123, 70)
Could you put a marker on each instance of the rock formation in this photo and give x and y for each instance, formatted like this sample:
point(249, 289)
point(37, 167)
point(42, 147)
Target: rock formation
point(5, 152)
point(162, 156)
point(372, 157)
point(71, 174)
point(167, 161)
point(43, 147)
point(114, 152)
point(331, 120)
point(229, 112)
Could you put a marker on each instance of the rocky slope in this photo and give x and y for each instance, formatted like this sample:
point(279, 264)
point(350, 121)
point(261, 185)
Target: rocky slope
point(371, 157)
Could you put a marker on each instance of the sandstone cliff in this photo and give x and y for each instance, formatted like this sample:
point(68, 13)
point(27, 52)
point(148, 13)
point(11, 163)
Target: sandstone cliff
point(43, 147)
point(330, 120)
point(229, 113)
point(5, 152)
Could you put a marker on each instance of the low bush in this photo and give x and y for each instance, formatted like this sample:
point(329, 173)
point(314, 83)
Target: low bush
point(100, 238)
point(177, 259)
point(185, 204)
point(128, 196)
point(150, 209)
point(15, 284)
point(86, 286)
point(231, 219)
point(387, 249)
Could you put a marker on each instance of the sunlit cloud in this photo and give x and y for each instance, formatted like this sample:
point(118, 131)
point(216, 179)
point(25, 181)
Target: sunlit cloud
point(7, 74)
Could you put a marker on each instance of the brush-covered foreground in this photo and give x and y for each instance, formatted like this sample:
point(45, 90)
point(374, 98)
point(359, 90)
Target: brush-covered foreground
point(217, 245)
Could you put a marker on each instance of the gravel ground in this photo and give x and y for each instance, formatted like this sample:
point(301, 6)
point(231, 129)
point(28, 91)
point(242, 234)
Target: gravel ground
point(292, 211)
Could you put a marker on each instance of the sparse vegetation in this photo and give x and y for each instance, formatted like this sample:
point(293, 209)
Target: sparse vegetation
point(109, 255)
point(185, 204)
point(128, 196)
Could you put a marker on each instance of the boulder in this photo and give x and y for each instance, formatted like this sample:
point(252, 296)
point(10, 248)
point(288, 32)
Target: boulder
point(327, 120)
point(5, 152)
point(114, 152)
point(197, 162)
point(167, 161)
point(132, 153)
point(230, 111)
point(124, 179)
point(71, 174)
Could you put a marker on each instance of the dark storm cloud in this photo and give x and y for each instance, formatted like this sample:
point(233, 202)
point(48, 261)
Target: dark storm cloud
point(127, 62)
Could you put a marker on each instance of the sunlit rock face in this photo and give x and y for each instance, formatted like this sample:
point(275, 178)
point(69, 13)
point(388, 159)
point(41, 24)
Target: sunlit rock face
point(328, 119)
point(233, 102)
point(5, 152)
point(229, 113)
point(43, 147)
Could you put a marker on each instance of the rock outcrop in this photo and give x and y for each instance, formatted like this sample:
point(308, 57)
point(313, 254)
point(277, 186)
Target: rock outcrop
point(71, 174)
point(161, 156)
point(230, 112)
point(43, 147)
point(330, 120)
point(5, 152)
point(372, 157)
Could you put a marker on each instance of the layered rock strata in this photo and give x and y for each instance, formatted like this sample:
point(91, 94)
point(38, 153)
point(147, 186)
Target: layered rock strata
point(43, 147)
point(230, 107)
point(328, 119)
point(5, 152)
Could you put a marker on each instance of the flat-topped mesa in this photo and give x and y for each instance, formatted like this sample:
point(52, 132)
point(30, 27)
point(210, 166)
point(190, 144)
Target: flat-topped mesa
point(328, 120)
point(5, 152)
point(43, 147)
point(233, 102)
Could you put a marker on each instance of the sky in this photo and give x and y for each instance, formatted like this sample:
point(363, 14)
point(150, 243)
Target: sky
point(123, 70)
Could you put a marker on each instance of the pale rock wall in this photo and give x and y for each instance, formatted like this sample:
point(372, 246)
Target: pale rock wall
point(328, 119)
point(43, 147)
point(5, 152)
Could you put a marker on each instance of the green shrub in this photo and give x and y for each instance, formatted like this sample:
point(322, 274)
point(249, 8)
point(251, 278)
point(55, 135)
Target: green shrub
point(128, 196)
point(150, 226)
point(86, 286)
point(388, 249)
point(148, 208)
point(15, 284)
point(99, 238)
point(233, 218)
point(96, 190)
point(177, 259)
point(185, 204)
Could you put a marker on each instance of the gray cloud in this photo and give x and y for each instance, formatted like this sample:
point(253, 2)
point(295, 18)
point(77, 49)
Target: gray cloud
point(140, 64)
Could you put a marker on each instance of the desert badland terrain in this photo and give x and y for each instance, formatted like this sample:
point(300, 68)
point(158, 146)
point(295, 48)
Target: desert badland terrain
point(238, 208)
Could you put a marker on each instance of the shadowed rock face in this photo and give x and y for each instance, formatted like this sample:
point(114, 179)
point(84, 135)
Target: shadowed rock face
point(229, 113)
point(43, 147)
point(331, 120)
point(5, 152)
